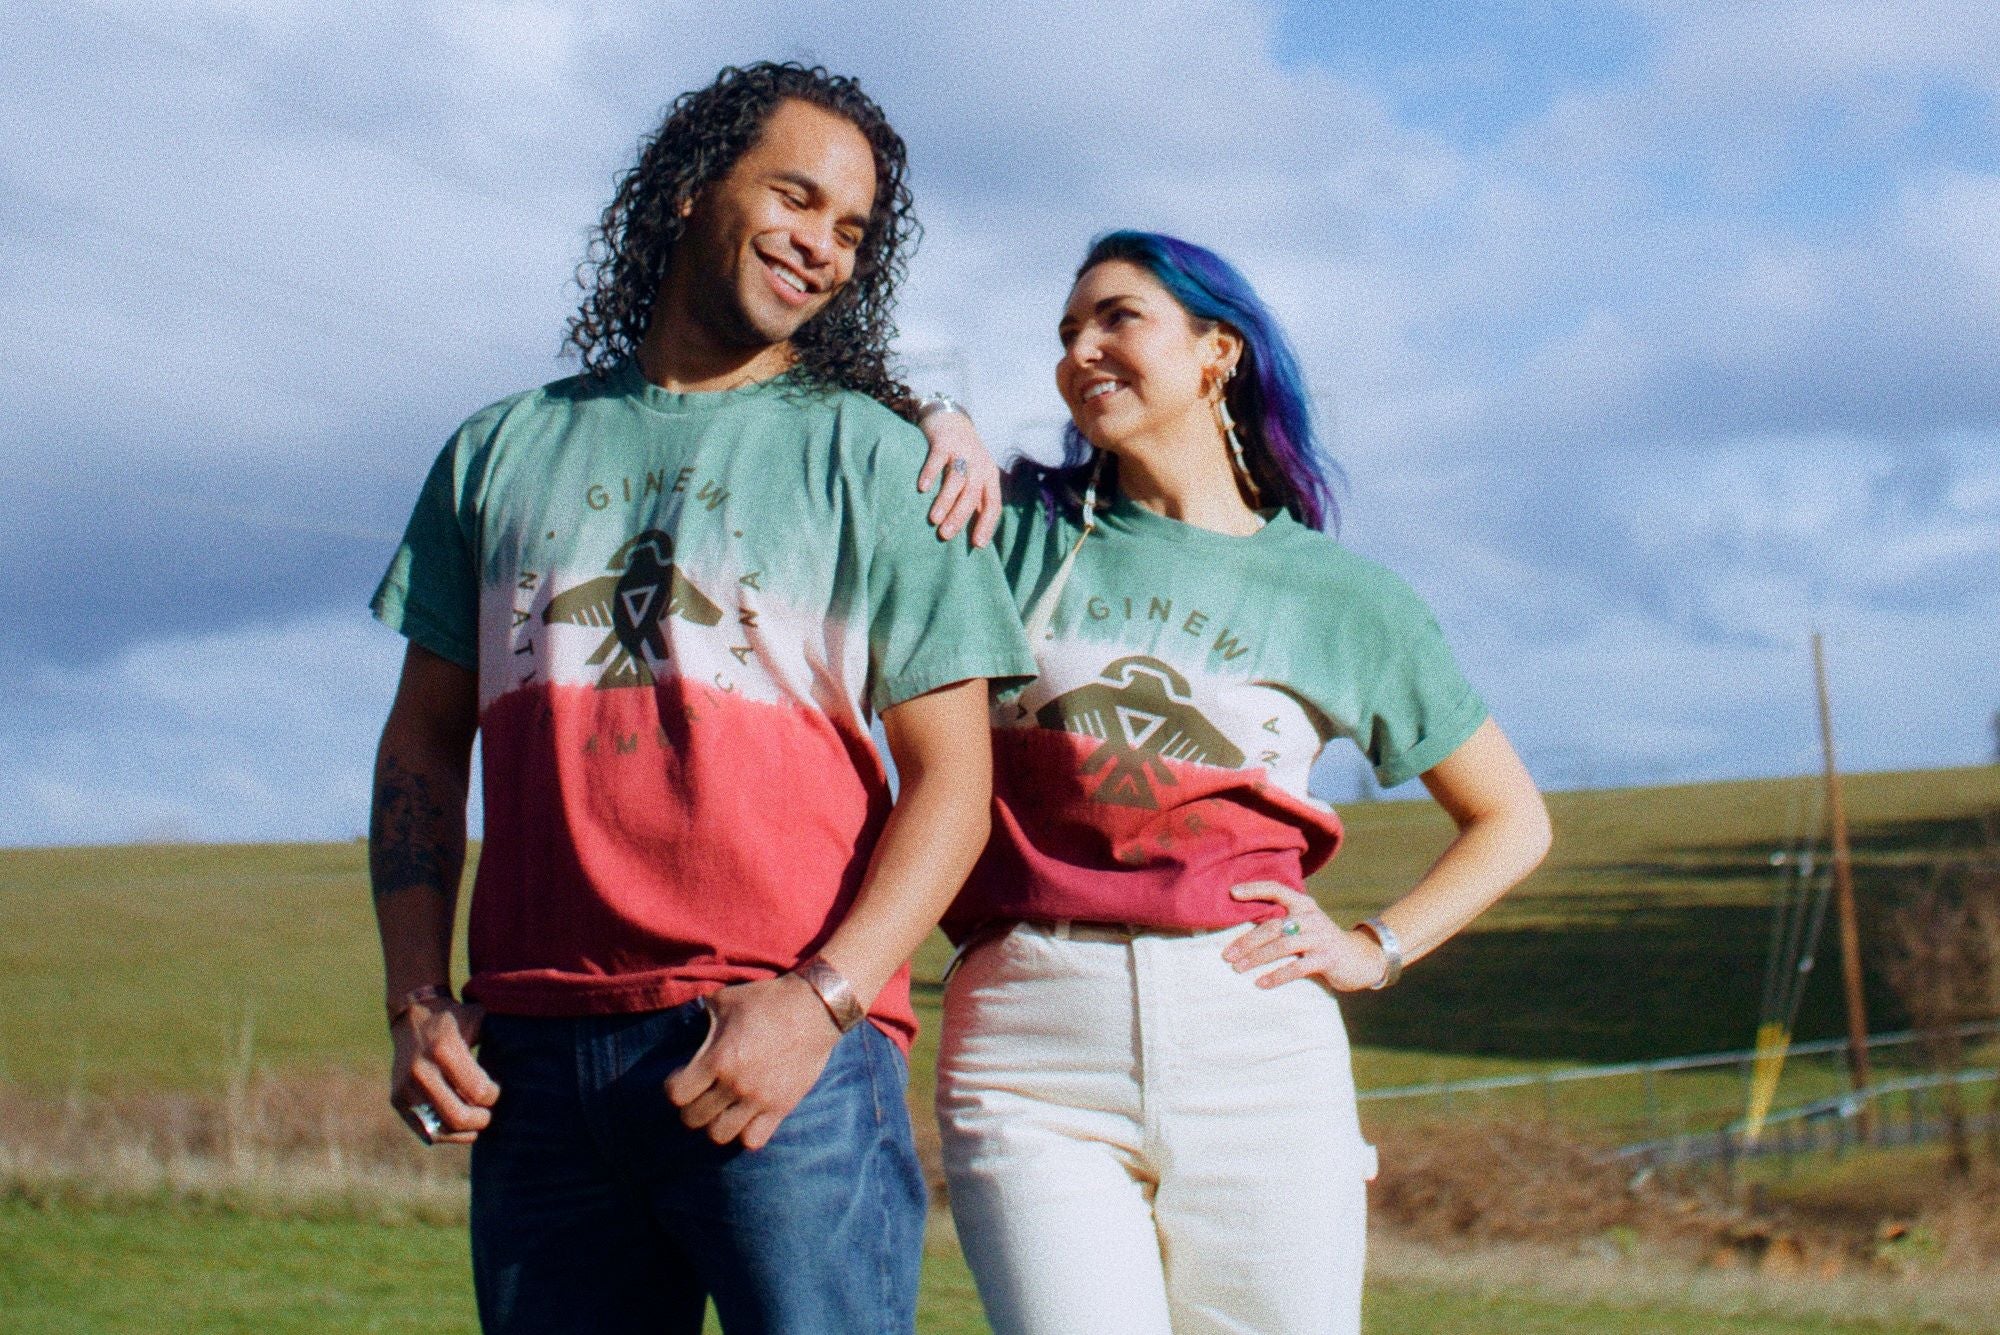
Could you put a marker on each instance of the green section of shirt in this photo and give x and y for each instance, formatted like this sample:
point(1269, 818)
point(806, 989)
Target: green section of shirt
point(1286, 608)
point(431, 590)
point(790, 517)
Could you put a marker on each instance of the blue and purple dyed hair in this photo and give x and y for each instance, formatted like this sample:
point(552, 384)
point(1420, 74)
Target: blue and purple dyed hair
point(1268, 402)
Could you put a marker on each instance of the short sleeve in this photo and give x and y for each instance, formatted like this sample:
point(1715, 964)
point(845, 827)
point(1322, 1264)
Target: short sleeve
point(938, 612)
point(431, 591)
point(1419, 706)
point(1025, 537)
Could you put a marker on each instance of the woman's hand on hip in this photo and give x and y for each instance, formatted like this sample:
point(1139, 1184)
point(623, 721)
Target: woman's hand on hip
point(1307, 940)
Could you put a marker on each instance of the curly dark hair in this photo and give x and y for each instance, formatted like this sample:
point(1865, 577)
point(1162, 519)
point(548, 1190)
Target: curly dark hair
point(846, 345)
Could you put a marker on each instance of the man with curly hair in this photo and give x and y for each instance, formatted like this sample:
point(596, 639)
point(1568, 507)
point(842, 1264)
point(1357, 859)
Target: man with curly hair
point(668, 595)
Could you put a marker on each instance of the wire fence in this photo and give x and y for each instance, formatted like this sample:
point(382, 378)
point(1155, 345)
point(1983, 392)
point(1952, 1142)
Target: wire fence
point(1910, 1111)
point(1675, 1100)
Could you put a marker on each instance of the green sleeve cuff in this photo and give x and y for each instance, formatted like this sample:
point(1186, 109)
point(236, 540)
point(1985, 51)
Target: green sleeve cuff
point(422, 629)
point(1440, 742)
point(933, 671)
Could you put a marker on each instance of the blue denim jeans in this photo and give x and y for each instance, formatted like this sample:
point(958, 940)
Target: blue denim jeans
point(594, 1209)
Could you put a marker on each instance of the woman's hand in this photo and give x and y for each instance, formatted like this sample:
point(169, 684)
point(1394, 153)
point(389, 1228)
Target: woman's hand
point(1350, 961)
point(971, 478)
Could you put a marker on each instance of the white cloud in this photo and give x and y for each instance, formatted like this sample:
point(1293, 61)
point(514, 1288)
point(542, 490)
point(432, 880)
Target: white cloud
point(1625, 420)
point(1792, 47)
point(260, 734)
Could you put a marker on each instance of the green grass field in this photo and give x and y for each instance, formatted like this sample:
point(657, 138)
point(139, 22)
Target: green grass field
point(144, 967)
point(1643, 936)
point(150, 1268)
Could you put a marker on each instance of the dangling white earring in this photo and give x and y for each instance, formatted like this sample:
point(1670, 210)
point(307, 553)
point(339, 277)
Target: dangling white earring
point(1090, 493)
point(1043, 612)
point(1235, 444)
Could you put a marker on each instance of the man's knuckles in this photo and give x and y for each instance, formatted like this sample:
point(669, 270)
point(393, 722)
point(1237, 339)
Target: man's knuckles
point(745, 1087)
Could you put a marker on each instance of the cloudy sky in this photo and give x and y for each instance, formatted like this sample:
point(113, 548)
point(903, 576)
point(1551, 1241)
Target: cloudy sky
point(1651, 335)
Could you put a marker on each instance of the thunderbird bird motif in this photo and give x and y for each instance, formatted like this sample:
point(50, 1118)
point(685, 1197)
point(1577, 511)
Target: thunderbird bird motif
point(634, 601)
point(1143, 712)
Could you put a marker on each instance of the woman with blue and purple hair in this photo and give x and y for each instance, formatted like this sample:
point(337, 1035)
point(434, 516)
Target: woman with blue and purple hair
point(1144, 1086)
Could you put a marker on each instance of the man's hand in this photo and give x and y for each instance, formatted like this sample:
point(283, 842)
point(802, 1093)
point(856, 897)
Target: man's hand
point(767, 1043)
point(971, 478)
point(434, 1065)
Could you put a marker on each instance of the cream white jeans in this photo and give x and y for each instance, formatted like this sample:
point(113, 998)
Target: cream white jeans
point(1141, 1141)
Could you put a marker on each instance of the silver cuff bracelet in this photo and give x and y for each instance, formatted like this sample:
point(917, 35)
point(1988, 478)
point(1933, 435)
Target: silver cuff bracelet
point(939, 403)
point(1392, 951)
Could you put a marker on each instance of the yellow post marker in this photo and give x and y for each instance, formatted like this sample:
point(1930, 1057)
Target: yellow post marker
point(1773, 1042)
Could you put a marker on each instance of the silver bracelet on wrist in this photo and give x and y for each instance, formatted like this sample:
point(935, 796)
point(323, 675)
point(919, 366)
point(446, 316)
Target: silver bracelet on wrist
point(835, 992)
point(1392, 950)
point(939, 403)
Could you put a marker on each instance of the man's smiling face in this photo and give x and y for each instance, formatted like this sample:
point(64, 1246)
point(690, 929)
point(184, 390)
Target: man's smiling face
point(771, 243)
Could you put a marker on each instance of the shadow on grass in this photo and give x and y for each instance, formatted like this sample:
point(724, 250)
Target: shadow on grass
point(1658, 974)
point(1884, 852)
point(1653, 982)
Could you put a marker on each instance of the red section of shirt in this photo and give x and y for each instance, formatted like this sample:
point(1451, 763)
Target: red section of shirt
point(638, 856)
point(1084, 828)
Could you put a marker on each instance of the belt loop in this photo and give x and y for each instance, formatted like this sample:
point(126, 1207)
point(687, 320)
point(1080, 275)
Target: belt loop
point(1061, 932)
point(957, 958)
point(986, 931)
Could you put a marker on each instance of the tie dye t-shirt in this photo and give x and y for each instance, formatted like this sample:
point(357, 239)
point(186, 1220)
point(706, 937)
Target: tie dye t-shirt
point(683, 610)
point(1188, 681)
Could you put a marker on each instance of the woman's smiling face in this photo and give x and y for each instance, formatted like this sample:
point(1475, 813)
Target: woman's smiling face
point(1133, 361)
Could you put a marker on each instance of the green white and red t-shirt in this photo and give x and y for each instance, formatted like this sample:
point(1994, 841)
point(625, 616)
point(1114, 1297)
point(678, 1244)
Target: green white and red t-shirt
point(1188, 681)
point(684, 610)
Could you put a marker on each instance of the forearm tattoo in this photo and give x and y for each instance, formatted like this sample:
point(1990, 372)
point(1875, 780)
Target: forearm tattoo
point(414, 839)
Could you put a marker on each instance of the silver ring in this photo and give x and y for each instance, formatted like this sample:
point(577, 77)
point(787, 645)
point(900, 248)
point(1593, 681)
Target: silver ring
point(1291, 927)
point(960, 466)
point(428, 1120)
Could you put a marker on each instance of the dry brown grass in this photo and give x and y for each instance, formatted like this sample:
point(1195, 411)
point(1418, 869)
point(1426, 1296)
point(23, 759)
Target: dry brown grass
point(1467, 1182)
point(1473, 1188)
point(1501, 1209)
point(1962, 1222)
point(310, 1142)
point(324, 1143)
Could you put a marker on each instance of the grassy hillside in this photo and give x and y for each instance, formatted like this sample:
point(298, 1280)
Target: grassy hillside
point(1646, 932)
point(150, 967)
point(142, 965)
point(1645, 935)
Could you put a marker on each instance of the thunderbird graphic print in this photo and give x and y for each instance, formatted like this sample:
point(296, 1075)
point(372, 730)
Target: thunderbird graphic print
point(1142, 712)
point(634, 601)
